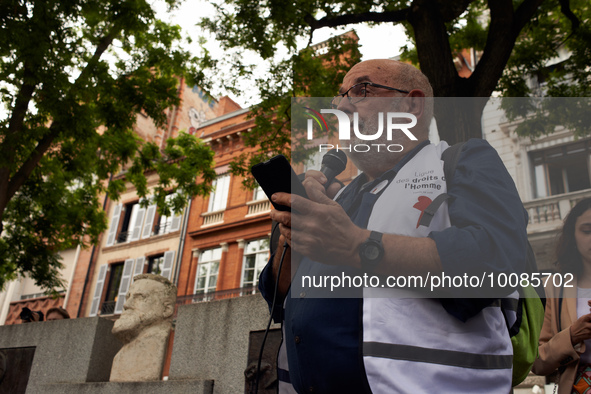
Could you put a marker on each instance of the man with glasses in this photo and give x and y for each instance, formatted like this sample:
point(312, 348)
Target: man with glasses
point(388, 342)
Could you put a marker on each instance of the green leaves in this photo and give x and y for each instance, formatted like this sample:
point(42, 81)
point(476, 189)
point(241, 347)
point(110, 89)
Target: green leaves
point(511, 41)
point(551, 51)
point(304, 73)
point(184, 159)
point(75, 75)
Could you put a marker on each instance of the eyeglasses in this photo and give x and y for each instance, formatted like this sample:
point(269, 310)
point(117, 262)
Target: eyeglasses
point(358, 92)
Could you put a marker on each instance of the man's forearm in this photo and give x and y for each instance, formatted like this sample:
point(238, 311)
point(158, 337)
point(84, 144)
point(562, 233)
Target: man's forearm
point(403, 255)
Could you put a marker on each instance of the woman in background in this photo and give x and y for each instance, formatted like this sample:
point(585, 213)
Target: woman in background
point(58, 313)
point(565, 340)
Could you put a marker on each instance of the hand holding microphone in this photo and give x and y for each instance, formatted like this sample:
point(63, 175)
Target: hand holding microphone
point(333, 163)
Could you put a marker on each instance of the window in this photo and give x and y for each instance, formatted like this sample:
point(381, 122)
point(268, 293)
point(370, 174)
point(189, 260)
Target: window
point(155, 264)
point(167, 224)
point(114, 282)
point(164, 224)
point(129, 214)
point(108, 306)
point(130, 222)
point(256, 255)
point(561, 169)
point(258, 194)
point(219, 195)
point(207, 271)
point(132, 216)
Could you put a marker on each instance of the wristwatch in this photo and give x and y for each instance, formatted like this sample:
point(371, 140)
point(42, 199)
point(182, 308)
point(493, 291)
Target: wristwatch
point(371, 251)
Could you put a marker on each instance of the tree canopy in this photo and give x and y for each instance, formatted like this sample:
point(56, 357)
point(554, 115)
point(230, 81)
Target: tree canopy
point(513, 39)
point(74, 74)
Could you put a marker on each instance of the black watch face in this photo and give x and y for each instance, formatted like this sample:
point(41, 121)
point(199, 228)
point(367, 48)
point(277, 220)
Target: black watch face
point(372, 252)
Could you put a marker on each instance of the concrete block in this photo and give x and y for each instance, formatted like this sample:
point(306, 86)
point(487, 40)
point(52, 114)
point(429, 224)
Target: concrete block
point(176, 387)
point(211, 341)
point(66, 351)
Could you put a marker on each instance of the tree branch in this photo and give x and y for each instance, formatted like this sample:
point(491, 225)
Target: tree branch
point(451, 10)
point(433, 49)
point(22, 99)
point(505, 27)
point(499, 45)
point(524, 13)
point(103, 45)
point(44, 144)
point(15, 125)
point(32, 161)
point(566, 11)
point(341, 20)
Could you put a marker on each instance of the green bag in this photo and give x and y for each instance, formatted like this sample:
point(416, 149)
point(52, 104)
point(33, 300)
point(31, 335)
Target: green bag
point(525, 333)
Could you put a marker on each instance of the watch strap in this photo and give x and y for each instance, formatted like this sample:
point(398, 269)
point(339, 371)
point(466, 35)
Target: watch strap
point(376, 236)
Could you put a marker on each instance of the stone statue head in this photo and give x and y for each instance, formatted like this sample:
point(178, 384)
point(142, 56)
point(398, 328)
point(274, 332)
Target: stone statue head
point(149, 302)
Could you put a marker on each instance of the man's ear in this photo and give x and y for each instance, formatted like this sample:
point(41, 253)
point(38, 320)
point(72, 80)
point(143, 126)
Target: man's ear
point(416, 102)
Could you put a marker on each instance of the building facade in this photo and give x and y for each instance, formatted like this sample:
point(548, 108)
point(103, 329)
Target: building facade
point(139, 239)
point(552, 173)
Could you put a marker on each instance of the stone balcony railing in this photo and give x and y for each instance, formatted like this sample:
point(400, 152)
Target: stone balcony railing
point(258, 207)
point(210, 218)
point(546, 214)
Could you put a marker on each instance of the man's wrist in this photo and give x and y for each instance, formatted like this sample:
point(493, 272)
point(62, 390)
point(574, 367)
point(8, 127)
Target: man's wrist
point(360, 237)
point(371, 252)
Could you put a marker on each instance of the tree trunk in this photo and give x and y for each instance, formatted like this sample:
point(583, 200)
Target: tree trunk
point(459, 118)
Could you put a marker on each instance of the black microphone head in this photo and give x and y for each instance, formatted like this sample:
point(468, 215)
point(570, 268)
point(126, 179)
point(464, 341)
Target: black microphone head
point(336, 160)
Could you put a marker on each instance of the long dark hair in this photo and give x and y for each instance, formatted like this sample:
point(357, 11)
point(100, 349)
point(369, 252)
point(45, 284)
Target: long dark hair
point(567, 254)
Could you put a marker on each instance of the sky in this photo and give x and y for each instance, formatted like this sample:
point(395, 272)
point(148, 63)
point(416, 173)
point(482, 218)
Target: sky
point(376, 42)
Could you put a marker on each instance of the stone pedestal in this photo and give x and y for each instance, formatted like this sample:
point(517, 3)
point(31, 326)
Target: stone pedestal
point(210, 351)
point(73, 351)
point(211, 341)
point(176, 387)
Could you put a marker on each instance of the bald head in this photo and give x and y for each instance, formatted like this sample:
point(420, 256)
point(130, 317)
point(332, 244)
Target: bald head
point(398, 75)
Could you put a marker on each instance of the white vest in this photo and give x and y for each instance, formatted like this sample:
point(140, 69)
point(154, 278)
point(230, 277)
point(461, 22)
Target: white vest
point(412, 345)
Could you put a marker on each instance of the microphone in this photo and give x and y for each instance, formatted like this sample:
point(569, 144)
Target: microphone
point(333, 163)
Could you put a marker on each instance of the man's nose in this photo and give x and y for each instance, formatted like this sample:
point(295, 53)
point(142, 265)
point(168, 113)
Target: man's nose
point(346, 106)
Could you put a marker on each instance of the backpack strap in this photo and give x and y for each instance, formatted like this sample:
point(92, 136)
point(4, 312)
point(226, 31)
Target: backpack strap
point(450, 158)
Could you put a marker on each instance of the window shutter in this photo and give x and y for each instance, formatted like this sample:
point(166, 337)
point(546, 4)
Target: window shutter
point(214, 187)
point(114, 225)
point(98, 290)
point(124, 285)
point(218, 198)
point(147, 231)
point(139, 266)
point(137, 226)
point(225, 190)
point(176, 222)
point(167, 265)
point(197, 273)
